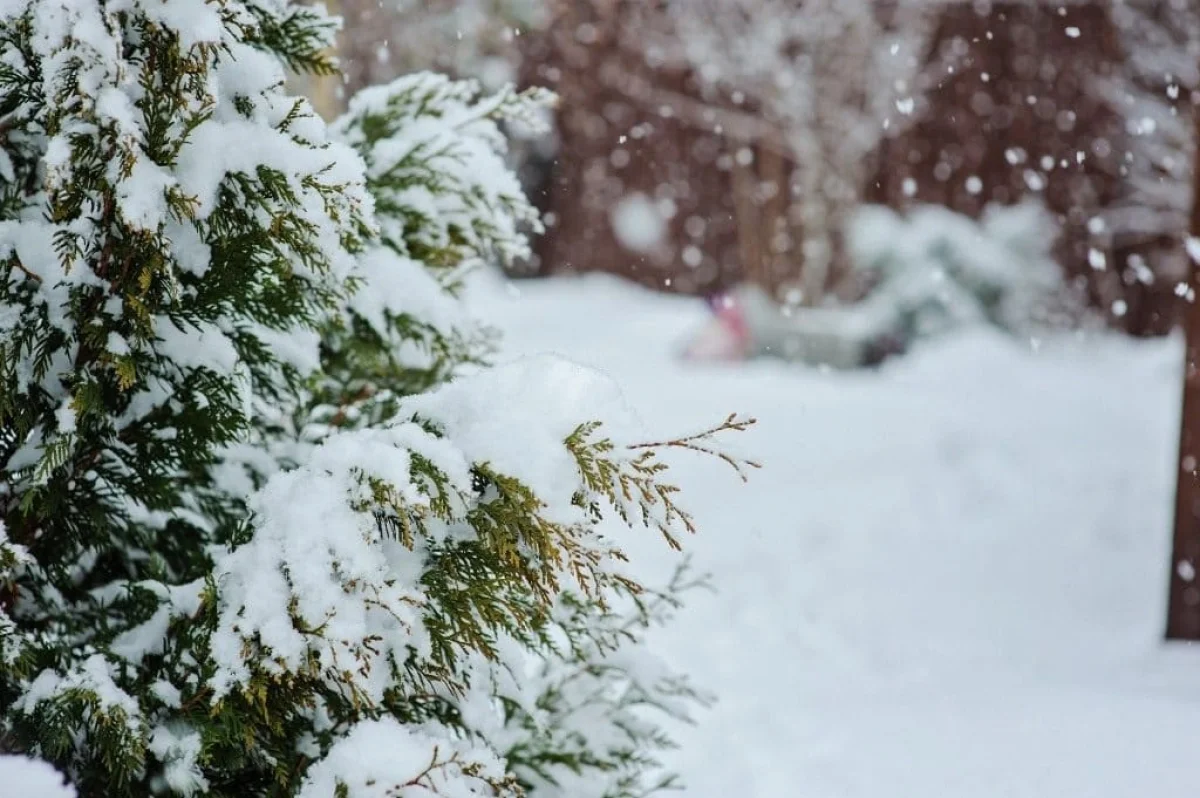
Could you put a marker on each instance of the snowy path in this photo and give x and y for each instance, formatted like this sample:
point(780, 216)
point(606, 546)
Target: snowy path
point(947, 580)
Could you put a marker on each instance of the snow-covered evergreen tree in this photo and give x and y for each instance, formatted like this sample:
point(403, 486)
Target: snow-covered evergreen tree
point(265, 525)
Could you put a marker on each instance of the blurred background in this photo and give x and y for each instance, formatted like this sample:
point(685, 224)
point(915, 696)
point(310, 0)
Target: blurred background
point(940, 249)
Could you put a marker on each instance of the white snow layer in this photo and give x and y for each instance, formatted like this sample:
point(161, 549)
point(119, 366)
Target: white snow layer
point(389, 760)
point(32, 778)
point(947, 581)
point(320, 557)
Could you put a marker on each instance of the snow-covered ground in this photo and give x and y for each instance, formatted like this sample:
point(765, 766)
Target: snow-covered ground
point(948, 579)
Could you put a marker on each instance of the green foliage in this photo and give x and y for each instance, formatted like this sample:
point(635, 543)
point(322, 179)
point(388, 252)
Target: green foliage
point(254, 512)
point(561, 752)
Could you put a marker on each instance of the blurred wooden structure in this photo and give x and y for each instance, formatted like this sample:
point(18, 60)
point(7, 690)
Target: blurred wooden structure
point(1018, 117)
point(627, 129)
point(1013, 114)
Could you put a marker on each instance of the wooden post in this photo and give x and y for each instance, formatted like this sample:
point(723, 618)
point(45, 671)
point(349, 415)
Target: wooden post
point(1183, 610)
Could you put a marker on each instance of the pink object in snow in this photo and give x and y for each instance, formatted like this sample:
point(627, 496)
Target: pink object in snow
point(726, 337)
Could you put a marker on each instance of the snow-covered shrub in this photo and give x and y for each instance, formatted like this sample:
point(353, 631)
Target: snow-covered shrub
point(266, 526)
point(935, 269)
point(927, 272)
point(592, 731)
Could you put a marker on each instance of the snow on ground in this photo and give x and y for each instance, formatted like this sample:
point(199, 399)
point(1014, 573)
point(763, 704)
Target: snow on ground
point(947, 581)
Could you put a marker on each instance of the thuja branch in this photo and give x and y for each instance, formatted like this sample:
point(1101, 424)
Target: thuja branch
point(702, 442)
point(633, 485)
point(27, 272)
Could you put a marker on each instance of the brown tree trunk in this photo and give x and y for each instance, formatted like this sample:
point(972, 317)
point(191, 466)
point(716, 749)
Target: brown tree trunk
point(1183, 612)
point(749, 225)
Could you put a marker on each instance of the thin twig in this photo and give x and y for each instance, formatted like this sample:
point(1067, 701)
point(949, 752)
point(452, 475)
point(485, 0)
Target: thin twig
point(28, 273)
point(692, 443)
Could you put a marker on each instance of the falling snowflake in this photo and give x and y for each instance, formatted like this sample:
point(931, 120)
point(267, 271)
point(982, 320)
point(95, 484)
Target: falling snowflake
point(637, 223)
point(1192, 244)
